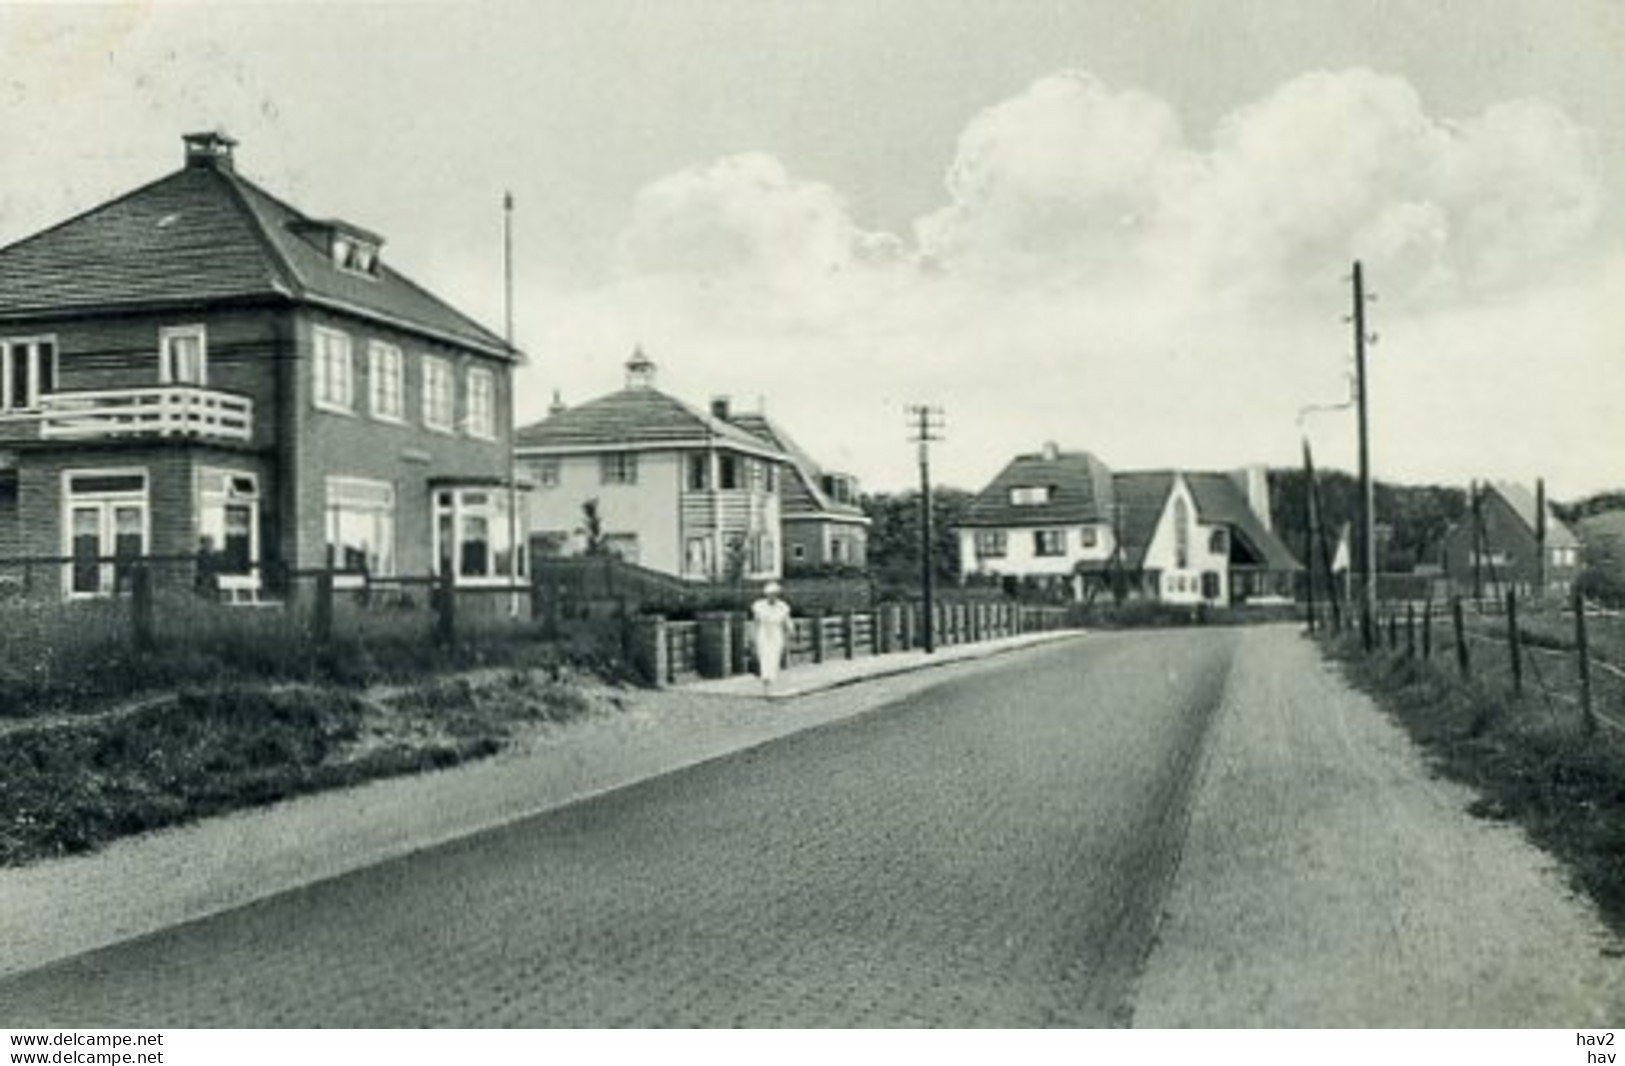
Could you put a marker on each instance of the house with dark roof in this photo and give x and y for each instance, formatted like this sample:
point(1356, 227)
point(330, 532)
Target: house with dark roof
point(673, 488)
point(199, 369)
point(823, 524)
point(1065, 518)
point(1602, 540)
point(1508, 540)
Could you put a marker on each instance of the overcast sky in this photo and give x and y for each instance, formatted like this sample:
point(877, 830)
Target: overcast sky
point(1123, 226)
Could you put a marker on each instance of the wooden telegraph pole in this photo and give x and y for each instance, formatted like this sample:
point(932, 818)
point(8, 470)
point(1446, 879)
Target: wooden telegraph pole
point(926, 424)
point(1368, 521)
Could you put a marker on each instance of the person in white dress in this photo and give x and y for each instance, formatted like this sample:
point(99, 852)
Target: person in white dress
point(770, 631)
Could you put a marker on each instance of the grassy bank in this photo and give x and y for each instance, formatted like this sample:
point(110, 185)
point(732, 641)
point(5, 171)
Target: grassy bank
point(1531, 761)
point(79, 657)
point(73, 784)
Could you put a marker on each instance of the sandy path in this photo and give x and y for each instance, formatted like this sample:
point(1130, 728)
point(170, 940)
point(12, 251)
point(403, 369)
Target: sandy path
point(1329, 880)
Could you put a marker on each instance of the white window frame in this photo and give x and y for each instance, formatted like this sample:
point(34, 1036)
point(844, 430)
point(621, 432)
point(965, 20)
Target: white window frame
point(141, 497)
point(991, 543)
point(436, 369)
point(334, 487)
point(333, 349)
point(481, 387)
point(386, 406)
point(166, 355)
point(12, 348)
point(1029, 495)
point(209, 496)
point(1056, 535)
point(455, 503)
point(547, 472)
point(618, 468)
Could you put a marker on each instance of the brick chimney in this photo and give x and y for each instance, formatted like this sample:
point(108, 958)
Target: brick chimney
point(1052, 451)
point(211, 149)
point(720, 407)
point(640, 370)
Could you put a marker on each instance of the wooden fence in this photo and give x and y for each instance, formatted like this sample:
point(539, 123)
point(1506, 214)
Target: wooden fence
point(716, 644)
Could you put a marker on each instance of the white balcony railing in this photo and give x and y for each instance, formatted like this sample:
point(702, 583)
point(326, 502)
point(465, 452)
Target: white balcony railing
point(161, 411)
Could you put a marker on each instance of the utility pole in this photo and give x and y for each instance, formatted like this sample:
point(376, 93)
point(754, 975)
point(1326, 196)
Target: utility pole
point(1311, 523)
point(1368, 506)
point(1540, 538)
point(926, 424)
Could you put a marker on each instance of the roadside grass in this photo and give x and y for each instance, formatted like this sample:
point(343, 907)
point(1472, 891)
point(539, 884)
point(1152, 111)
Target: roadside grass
point(79, 657)
point(1532, 762)
point(1150, 614)
point(70, 786)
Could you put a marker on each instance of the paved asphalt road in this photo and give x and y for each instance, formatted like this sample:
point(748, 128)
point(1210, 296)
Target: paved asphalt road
point(992, 851)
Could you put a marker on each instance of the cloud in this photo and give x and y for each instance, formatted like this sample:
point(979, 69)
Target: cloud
point(1096, 276)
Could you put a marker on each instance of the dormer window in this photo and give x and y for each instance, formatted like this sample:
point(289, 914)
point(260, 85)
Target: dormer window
point(355, 255)
point(1029, 495)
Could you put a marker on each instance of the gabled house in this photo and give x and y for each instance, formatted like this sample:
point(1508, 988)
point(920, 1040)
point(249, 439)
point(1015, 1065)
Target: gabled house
point(1602, 539)
point(1504, 542)
point(672, 488)
point(1174, 536)
point(823, 524)
point(198, 368)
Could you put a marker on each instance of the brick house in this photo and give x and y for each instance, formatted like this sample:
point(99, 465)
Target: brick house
point(823, 525)
point(1503, 548)
point(1066, 519)
point(675, 489)
point(197, 368)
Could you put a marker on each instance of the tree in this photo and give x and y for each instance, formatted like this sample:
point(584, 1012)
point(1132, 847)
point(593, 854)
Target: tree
point(894, 536)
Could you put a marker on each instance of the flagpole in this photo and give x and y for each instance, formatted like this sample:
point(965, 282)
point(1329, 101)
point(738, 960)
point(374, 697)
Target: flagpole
point(513, 463)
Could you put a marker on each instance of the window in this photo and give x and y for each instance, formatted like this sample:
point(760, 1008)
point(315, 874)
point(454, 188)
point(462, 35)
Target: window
point(727, 471)
point(354, 255)
point(990, 544)
point(1090, 536)
point(27, 372)
point(472, 535)
point(361, 525)
point(699, 472)
point(1218, 543)
point(1210, 585)
point(763, 547)
point(771, 482)
point(619, 468)
point(335, 371)
point(386, 384)
point(699, 557)
point(106, 526)
point(1182, 534)
point(482, 419)
point(837, 550)
point(228, 520)
point(545, 472)
point(1049, 542)
point(1029, 495)
point(798, 552)
point(439, 395)
point(183, 356)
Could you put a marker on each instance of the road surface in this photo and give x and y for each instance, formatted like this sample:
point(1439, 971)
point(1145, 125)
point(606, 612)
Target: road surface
point(1095, 833)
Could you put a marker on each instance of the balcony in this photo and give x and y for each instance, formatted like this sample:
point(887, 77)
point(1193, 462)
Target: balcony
point(160, 411)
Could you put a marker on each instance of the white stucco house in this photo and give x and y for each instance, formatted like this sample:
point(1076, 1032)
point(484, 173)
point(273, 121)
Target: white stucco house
point(1188, 537)
point(675, 489)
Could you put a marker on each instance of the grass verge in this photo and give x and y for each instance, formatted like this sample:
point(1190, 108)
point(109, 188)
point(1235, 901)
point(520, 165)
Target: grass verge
point(70, 786)
point(1531, 764)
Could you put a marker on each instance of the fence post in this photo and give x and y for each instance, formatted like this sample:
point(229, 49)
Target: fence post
point(1514, 648)
point(1393, 629)
point(910, 618)
point(1462, 661)
point(738, 645)
point(816, 621)
point(713, 651)
point(1427, 627)
point(1410, 631)
point(849, 636)
point(1583, 650)
point(322, 617)
point(650, 655)
point(445, 607)
point(141, 610)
